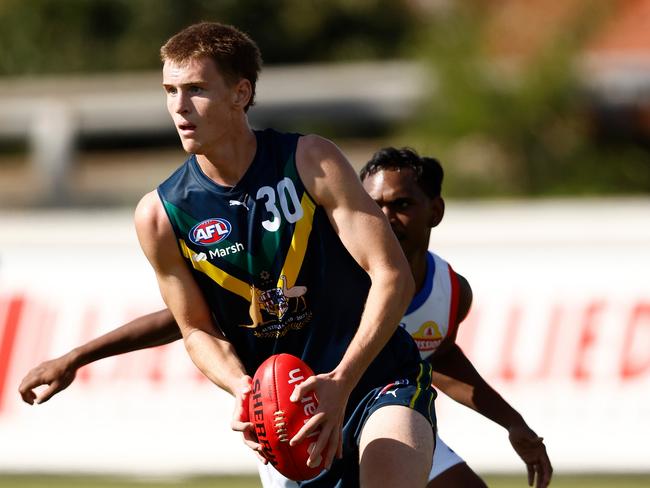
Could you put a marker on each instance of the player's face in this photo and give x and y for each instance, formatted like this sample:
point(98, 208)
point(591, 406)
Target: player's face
point(203, 106)
point(409, 210)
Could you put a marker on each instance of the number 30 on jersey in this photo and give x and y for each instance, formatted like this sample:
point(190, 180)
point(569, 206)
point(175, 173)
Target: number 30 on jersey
point(285, 194)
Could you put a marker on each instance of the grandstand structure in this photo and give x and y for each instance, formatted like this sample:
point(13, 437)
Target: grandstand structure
point(52, 115)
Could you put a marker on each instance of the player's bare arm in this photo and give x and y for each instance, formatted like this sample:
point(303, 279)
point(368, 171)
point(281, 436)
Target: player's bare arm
point(366, 234)
point(149, 330)
point(455, 375)
point(208, 348)
point(205, 343)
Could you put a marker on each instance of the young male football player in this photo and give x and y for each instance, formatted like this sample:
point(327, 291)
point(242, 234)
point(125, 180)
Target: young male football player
point(408, 190)
point(304, 222)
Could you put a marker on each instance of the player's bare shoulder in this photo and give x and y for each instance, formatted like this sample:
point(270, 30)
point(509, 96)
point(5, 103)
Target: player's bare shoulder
point(324, 170)
point(152, 226)
point(149, 214)
point(315, 150)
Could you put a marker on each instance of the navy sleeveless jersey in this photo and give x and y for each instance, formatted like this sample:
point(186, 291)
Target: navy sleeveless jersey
point(271, 267)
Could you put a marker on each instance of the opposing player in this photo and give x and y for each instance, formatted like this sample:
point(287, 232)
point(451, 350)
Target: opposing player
point(408, 190)
point(302, 223)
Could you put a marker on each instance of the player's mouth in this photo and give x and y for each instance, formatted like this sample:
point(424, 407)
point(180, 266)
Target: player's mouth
point(186, 128)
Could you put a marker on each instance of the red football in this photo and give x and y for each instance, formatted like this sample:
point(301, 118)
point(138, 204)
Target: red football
point(277, 419)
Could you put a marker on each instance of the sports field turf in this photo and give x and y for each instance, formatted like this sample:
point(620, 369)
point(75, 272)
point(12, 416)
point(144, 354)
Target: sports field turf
point(58, 481)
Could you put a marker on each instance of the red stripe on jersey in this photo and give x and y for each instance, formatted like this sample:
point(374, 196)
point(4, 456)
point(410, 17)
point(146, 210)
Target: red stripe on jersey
point(453, 303)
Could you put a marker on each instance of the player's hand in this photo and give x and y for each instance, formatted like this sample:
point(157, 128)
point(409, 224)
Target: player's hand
point(332, 395)
point(532, 451)
point(240, 419)
point(57, 374)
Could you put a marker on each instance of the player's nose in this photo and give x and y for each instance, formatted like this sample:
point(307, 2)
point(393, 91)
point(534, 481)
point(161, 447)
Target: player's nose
point(180, 105)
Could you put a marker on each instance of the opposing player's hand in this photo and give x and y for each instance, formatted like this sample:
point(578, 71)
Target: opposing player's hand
point(240, 419)
point(532, 451)
point(332, 395)
point(57, 374)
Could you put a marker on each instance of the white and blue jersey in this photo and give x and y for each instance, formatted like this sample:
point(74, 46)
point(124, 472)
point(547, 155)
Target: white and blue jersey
point(433, 313)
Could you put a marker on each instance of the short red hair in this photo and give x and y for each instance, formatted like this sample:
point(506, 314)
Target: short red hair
point(235, 53)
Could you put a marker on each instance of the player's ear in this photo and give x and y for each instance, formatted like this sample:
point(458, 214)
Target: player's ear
point(437, 211)
point(242, 93)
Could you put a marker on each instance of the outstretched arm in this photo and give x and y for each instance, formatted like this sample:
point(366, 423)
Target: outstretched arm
point(455, 375)
point(150, 330)
point(206, 344)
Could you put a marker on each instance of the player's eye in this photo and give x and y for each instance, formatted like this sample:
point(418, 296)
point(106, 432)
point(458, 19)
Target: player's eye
point(171, 90)
point(194, 90)
point(401, 204)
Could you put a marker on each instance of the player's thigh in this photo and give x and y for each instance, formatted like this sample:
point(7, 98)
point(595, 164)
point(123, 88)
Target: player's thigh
point(395, 448)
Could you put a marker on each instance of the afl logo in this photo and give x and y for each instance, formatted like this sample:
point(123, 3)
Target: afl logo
point(210, 231)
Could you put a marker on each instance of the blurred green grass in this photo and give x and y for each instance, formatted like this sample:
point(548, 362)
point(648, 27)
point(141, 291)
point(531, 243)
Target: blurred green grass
point(494, 481)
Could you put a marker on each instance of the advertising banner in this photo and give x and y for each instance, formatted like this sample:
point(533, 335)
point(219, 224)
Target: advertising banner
point(560, 326)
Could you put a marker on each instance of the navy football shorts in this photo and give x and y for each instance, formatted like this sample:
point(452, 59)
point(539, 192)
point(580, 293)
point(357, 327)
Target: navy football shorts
point(416, 393)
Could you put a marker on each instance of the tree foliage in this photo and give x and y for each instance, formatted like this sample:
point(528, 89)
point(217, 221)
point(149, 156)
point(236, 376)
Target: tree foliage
point(55, 36)
point(499, 131)
point(517, 127)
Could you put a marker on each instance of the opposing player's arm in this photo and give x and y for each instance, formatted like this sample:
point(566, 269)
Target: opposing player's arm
point(147, 331)
point(455, 375)
point(207, 346)
point(365, 233)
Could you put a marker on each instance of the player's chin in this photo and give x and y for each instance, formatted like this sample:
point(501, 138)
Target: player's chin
point(190, 145)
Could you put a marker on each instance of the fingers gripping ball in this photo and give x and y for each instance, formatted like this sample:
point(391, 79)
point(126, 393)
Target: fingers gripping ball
point(277, 419)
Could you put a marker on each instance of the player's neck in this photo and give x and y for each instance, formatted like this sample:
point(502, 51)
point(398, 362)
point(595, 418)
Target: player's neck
point(227, 162)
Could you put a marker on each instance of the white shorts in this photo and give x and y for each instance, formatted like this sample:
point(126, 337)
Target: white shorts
point(443, 459)
point(270, 478)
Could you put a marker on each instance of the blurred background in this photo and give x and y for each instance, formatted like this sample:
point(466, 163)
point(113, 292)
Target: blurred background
point(539, 112)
